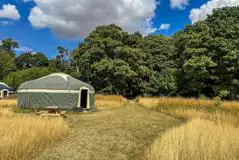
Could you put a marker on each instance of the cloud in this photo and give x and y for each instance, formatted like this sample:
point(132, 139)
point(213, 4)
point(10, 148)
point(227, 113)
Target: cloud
point(23, 49)
point(33, 53)
point(201, 13)
point(76, 18)
point(6, 23)
point(10, 12)
point(180, 4)
point(164, 27)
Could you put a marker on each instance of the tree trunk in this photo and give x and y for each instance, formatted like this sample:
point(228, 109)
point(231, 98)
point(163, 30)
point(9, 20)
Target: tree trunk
point(77, 68)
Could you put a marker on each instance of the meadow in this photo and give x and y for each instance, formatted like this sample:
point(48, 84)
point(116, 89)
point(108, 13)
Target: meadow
point(23, 135)
point(210, 132)
point(160, 128)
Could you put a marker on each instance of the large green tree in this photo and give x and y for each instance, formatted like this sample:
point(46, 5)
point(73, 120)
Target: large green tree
point(208, 55)
point(28, 60)
point(112, 61)
point(161, 54)
point(14, 79)
point(7, 54)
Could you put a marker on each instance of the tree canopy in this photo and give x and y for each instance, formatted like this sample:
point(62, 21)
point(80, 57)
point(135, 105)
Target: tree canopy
point(202, 59)
point(208, 55)
point(31, 59)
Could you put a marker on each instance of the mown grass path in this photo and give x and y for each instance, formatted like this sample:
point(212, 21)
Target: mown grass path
point(111, 134)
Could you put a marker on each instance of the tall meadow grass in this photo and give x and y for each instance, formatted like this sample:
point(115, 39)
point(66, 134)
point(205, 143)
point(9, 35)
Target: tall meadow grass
point(185, 102)
point(211, 131)
point(23, 135)
point(109, 101)
point(198, 140)
point(8, 103)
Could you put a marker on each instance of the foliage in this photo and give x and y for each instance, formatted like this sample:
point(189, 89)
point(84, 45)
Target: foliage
point(7, 46)
point(6, 64)
point(60, 62)
point(208, 55)
point(202, 59)
point(111, 60)
point(31, 60)
point(14, 79)
point(161, 52)
point(7, 56)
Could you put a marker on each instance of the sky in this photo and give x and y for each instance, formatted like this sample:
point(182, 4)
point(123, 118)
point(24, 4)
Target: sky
point(42, 25)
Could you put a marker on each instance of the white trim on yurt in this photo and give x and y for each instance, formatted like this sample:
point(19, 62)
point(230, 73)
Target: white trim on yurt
point(62, 75)
point(4, 84)
point(50, 91)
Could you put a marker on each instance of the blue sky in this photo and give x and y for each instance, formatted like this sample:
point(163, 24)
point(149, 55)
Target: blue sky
point(47, 35)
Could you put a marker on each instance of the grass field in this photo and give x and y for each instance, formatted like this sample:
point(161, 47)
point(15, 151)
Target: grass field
point(186, 102)
point(150, 129)
point(122, 133)
point(199, 140)
point(211, 131)
point(8, 103)
point(109, 101)
point(118, 130)
point(24, 135)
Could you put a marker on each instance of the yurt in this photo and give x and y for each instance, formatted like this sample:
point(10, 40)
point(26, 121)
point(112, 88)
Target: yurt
point(56, 89)
point(5, 90)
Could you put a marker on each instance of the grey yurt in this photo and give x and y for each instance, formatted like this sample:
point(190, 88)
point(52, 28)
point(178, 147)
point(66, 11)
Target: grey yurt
point(56, 89)
point(5, 90)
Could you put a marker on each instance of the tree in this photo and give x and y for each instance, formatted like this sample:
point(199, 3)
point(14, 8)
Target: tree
point(31, 60)
point(6, 64)
point(7, 46)
point(161, 54)
point(62, 52)
point(111, 60)
point(7, 56)
point(60, 62)
point(208, 55)
point(16, 78)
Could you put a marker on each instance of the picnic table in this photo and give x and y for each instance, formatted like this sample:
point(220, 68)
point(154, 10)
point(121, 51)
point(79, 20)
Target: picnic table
point(52, 111)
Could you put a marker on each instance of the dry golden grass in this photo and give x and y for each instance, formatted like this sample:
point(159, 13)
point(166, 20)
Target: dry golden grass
point(109, 97)
point(109, 101)
point(216, 116)
point(8, 103)
point(198, 140)
point(185, 102)
point(211, 133)
point(23, 135)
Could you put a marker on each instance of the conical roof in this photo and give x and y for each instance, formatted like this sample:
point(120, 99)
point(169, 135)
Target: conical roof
point(5, 86)
point(56, 81)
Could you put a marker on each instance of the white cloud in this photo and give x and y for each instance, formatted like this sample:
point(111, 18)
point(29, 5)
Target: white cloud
point(76, 18)
point(6, 23)
point(10, 12)
point(180, 4)
point(164, 27)
point(23, 49)
point(201, 13)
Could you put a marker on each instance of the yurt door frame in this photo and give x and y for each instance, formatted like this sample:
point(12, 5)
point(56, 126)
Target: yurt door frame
point(87, 100)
